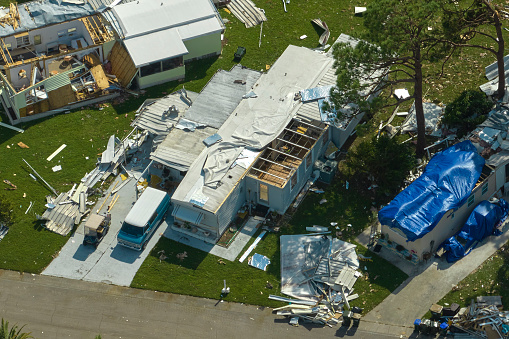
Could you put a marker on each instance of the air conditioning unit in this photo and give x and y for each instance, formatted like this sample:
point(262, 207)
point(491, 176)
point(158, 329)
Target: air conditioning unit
point(327, 170)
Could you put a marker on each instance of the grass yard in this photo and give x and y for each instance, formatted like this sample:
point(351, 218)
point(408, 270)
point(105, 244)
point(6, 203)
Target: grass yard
point(202, 275)
point(491, 278)
point(28, 247)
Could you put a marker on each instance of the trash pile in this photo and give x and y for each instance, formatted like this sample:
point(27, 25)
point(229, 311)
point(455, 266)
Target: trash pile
point(68, 208)
point(319, 272)
point(482, 319)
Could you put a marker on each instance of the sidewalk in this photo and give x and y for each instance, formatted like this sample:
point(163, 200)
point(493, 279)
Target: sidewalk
point(428, 283)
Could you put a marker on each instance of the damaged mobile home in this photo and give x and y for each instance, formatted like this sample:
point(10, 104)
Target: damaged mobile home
point(60, 55)
point(420, 219)
point(258, 150)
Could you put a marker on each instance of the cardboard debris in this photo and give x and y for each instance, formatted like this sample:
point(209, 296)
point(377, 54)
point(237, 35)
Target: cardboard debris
point(22, 145)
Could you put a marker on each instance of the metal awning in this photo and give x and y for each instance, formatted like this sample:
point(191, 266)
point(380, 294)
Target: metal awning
point(187, 214)
point(155, 46)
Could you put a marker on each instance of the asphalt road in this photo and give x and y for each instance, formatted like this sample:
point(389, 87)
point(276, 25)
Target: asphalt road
point(53, 307)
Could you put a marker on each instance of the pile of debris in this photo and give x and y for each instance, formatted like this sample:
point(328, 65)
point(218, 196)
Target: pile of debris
point(319, 271)
point(68, 208)
point(483, 319)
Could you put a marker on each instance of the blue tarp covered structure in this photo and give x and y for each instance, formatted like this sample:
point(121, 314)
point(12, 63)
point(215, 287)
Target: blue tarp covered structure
point(446, 183)
point(480, 224)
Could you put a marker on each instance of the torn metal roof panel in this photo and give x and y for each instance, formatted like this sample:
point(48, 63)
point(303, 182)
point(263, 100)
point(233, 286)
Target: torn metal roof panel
point(156, 118)
point(181, 147)
point(222, 95)
point(498, 159)
point(492, 69)
point(43, 13)
point(497, 120)
point(155, 46)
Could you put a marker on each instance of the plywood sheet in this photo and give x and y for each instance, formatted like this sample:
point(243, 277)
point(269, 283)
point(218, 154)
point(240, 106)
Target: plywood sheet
point(122, 66)
point(61, 97)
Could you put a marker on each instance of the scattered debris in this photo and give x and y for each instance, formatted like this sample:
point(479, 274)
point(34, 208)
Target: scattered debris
point(302, 37)
point(44, 181)
point(12, 127)
point(320, 272)
point(29, 207)
point(316, 228)
point(13, 187)
point(325, 35)
point(225, 290)
point(323, 201)
point(259, 261)
point(247, 12)
point(54, 154)
point(56, 168)
point(360, 10)
point(181, 256)
point(3, 231)
point(401, 93)
point(252, 247)
point(22, 145)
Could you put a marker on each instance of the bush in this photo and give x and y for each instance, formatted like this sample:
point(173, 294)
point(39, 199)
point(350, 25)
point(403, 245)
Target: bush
point(467, 111)
point(382, 161)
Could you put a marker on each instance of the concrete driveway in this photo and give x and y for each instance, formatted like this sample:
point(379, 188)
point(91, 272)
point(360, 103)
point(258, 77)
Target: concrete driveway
point(110, 263)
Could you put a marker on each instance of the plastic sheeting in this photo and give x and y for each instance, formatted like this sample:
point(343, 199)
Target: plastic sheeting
point(446, 183)
point(315, 93)
point(480, 224)
point(219, 161)
point(259, 261)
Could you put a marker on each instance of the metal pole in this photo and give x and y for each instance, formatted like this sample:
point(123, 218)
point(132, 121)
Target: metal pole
point(261, 29)
point(52, 189)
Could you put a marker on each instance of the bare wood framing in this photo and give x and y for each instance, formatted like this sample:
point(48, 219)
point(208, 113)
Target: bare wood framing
point(259, 170)
point(283, 153)
point(291, 143)
point(299, 134)
point(278, 164)
point(310, 125)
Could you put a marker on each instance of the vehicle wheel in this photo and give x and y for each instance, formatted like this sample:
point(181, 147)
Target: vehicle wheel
point(144, 246)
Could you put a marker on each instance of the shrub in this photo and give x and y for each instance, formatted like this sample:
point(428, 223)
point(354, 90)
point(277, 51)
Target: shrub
point(382, 161)
point(467, 111)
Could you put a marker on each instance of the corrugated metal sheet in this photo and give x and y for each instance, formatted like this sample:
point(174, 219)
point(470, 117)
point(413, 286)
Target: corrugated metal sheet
point(492, 69)
point(187, 214)
point(222, 95)
point(199, 28)
point(153, 118)
point(56, 81)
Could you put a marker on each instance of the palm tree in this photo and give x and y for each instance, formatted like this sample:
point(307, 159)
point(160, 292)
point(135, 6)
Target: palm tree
point(13, 333)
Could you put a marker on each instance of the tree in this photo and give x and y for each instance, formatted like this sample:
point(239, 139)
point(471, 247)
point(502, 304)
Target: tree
point(382, 161)
point(13, 333)
point(461, 25)
point(467, 111)
point(392, 53)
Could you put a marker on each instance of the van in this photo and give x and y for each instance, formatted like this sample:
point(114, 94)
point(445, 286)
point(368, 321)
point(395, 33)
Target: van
point(143, 219)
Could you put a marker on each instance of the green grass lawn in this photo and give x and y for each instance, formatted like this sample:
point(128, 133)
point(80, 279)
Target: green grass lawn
point(28, 247)
point(491, 278)
point(202, 275)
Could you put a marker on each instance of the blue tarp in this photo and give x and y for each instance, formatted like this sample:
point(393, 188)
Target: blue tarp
point(480, 224)
point(446, 183)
